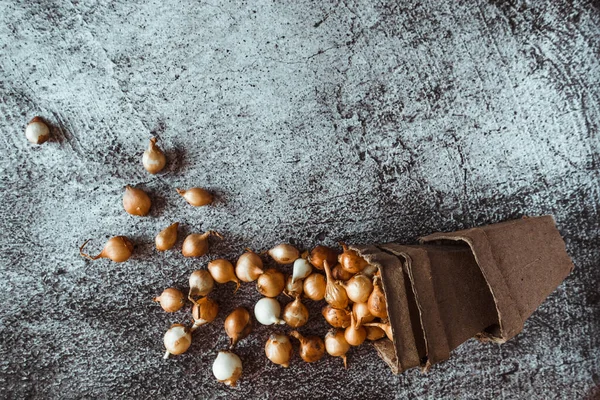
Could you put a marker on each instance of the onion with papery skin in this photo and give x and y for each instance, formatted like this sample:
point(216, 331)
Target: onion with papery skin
point(227, 368)
point(295, 314)
point(136, 201)
point(351, 261)
point(201, 284)
point(387, 328)
point(267, 311)
point(154, 159)
point(336, 345)
point(196, 244)
point(37, 132)
point(222, 272)
point(312, 348)
point(314, 286)
point(359, 288)
point(293, 289)
point(284, 254)
point(117, 249)
point(279, 349)
point(238, 325)
point(355, 335)
point(338, 318)
point(361, 313)
point(377, 304)
point(301, 270)
point(167, 238)
point(271, 283)
point(335, 294)
point(196, 197)
point(204, 311)
point(320, 254)
point(249, 266)
point(374, 333)
point(370, 270)
point(170, 299)
point(177, 340)
point(340, 274)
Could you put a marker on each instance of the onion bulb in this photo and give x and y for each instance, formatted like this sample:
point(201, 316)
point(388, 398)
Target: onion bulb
point(312, 348)
point(197, 197)
point(196, 244)
point(374, 333)
point(295, 314)
point(204, 311)
point(302, 269)
point(335, 294)
point(249, 266)
point(377, 304)
point(336, 345)
point(117, 249)
point(351, 261)
point(154, 159)
point(177, 340)
point(320, 254)
point(355, 335)
point(279, 349)
point(340, 274)
point(267, 311)
point(370, 270)
point(37, 132)
point(167, 238)
point(314, 287)
point(271, 283)
point(387, 328)
point(336, 317)
point(201, 284)
point(293, 289)
point(227, 368)
point(284, 254)
point(170, 300)
point(136, 201)
point(222, 272)
point(238, 325)
point(358, 288)
point(361, 313)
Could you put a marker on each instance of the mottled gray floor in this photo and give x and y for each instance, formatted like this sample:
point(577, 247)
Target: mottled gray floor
point(363, 121)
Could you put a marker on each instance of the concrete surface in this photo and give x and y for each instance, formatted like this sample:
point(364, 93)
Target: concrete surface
point(314, 122)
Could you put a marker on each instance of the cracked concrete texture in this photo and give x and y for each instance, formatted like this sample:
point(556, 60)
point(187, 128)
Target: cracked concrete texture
point(357, 120)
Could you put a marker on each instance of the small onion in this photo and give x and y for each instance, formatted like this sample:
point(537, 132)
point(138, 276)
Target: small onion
point(387, 328)
point(302, 269)
point(267, 311)
point(196, 244)
point(136, 201)
point(284, 254)
point(377, 304)
point(37, 132)
point(222, 272)
point(293, 289)
point(351, 261)
point(238, 325)
point(201, 284)
point(359, 288)
point(227, 368)
point(336, 345)
point(154, 159)
point(279, 349)
point(271, 283)
point(167, 238)
point(374, 333)
point(355, 335)
point(177, 340)
point(322, 253)
point(336, 317)
point(335, 294)
point(295, 314)
point(340, 274)
point(249, 266)
point(197, 197)
point(117, 249)
point(370, 270)
point(312, 348)
point(170, 299)
point(361, 313)
point(204, 311)
point(314, 287)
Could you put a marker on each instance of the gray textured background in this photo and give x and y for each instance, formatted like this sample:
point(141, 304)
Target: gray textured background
point(365, 121)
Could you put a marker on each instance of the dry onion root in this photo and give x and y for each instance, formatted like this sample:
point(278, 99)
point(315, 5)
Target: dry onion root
point(295, 314)
point(338, 318)
point(314, 286)
point(336, 344)
point(204, 311)
point(335, 294)
point(284, 254)
point(227, 368)
point(154, 159)
point(222, 272)
point(196, 244)
point(201, 284)
point(167, 238)
point(177, 340)
point(136, 201)
point(238, 325)
point(312, 348)
point(249, 266)
point(37, 132)
point(271, 283)
point(196, 197)
point(170, 300)
point(351, 261)
point(117, 249)
point(279, 349)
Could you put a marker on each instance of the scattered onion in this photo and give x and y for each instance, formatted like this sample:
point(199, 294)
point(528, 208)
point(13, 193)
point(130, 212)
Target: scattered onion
point(117, 249)
point(351, 261)
point(154, 159)
point(336, 345)
point(359, 288)
point(227, 368)
point(340, 274)
point(167, 238)
point(170, 299)
point(302, 269)
point(312, 348)
point(201, 284)
point(271, 283)
point(387, 328)
point(293, 289)
point(295, 314)
point(338, 318)
point(197, 197)
point(284, 254)
point(361, 313)
point(238, 325)
point(196, 244)
point(136, 201)
point(320, 254)
point(204, 311)
point(377, 304)
point(37, 132)
point(279, 349)
point(267, 311)
point(222, 272)
point(355, 335)
point(177, 340)
point(374, 333)
point(249, 266)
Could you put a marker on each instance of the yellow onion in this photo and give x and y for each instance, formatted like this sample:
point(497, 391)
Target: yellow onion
point(170, 300)
point(227, 368)
point(177, 340)
point(336, 345)
point(387, 328)
point(238, 325)
point(204, 311)
point(293, 289)
point(295, 314)
point(279, 349)
point(335, 294)
point(320, 254)
point(284, 254)
point(136, 201)
point(374, 333)
point(37, 132)
point(340, 274)
point(351, 261)
point(201, 284)
point(167, 238)
point(338, 318)
point(361, 313)
point(302, 269)
point(312, 348)
point(222, 272)
point(271, 283)
point(154, 159)
point(249, 266)
point(197, 197)
point(359, 288)
point(377, 304)
point(314, 286)
point(117, 249)
point(355, 335)
point(196, 244)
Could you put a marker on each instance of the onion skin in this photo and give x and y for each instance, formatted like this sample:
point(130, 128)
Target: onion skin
point(284, 254)
point(201, 284)
point(387, 329)
point(117, 249)
point(170, 300)
point(361, 313)
point(355, 335)
point(37, 131)
point(238, 325)
point(314, 286)
point(377, 303)
point(136, 201)
point(204, 311)
point(249, 267)
point(351, 261)
point(196, 244)
point(320, 254)
point(167, 238)
point(374, 333)
point(267, 311)
point(336, 345)
point(177, 340)
point(359, 288)
point(312, 348)
point(271, 283)
point(227, 368)
point(279, 349)
point(196, 197)
point(336, 317)
point(154, 159)
point(293, 289)
point(335, 294)
point(340, 274)
point(295, 314)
